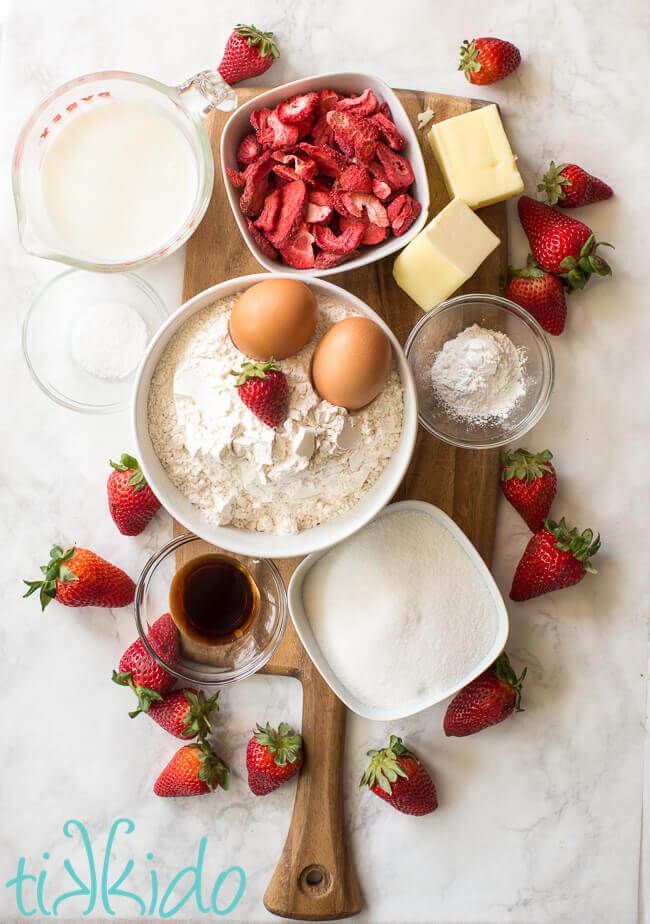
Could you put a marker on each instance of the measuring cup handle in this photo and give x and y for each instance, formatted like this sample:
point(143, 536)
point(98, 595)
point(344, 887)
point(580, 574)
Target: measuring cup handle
point(205, 91)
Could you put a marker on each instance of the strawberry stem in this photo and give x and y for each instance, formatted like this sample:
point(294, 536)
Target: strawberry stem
point(503, 669)
point(145, 695)
point(253, 371)
point(55, 570)
point(283, 745)
point(581, 545)
point(129, 463)
point(384, 768)
point(522, 464)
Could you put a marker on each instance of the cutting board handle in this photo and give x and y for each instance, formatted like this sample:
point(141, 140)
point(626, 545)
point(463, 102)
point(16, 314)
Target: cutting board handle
point(314, 879)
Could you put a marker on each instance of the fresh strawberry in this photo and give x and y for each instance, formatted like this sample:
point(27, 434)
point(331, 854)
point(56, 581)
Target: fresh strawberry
point(78, 577)
point(272, 757)
point(487, 60)
point(554, 558)
point(193, 770)
point(131, 501)
point(561, 244)
point(486, 701)
point(185, 713)
point(138, 670)
point(529, 482)
point(263, 389)
point(396, 775)
point(248, 53)
point(569, 186)
point(540, 293)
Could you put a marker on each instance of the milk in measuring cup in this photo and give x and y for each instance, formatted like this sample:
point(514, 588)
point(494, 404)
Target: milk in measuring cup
point(119, 181)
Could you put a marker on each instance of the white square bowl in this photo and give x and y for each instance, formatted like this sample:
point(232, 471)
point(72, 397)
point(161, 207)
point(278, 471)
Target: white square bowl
point(384, 713)
point(238, 125)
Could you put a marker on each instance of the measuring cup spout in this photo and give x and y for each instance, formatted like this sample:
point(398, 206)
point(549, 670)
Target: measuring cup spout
point(205, 91)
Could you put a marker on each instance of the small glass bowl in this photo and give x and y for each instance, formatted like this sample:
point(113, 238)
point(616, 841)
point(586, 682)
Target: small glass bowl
point(212, 665)
point(444, 323)
point(48, 331)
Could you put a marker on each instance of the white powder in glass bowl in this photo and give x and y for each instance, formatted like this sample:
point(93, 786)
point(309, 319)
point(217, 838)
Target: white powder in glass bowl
point(479, 374)
point(400, 611)
point(240, 472)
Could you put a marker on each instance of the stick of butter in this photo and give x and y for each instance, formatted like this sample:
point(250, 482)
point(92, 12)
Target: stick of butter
point(475, 157)
point(444, 255)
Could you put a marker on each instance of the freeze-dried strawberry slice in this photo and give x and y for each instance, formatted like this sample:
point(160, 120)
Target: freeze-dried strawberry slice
point(329, 161)
point(381, 189)
point(258, 119)
point(357, 203)
point(372, 234)
point(265, 246)
point(299, 249)
point(356, 137)
point(393, 136)
point(278, 134)
point(269, 215)
point(402, 212)
point(237, 178)
point(384, 108)
point(380, 185)
point(298, 108)
point(394, 193)
point(249, 149)
point(304, 168)
point(322, 133)
point(257, 185)
point(327, 259)
point(288, 174)
point(398, 170)
point(336, 199)
point(327, 99)
point(364, 105)
point(355, 178)
point(319, 210)
point(345, 242)
point(292, 212)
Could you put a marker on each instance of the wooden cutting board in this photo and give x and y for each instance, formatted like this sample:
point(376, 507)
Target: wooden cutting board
point(315, 879)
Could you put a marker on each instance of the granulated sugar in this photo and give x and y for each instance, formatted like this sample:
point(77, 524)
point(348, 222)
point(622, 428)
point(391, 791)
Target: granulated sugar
point(400, 611)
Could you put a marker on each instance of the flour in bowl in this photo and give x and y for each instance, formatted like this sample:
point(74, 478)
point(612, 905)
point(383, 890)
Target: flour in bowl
point(400, 611)
point(239, 472)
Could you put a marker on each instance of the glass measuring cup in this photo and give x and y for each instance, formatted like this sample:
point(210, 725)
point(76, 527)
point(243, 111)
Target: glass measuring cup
point(186, 105)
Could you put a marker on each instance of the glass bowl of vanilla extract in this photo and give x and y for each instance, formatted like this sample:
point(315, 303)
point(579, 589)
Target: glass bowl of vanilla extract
point(229, 611)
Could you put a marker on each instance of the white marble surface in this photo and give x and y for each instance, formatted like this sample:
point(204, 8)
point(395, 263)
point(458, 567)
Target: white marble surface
point(540, 819)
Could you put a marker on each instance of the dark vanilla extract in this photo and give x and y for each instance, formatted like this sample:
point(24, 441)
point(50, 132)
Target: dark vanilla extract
point(213, 599)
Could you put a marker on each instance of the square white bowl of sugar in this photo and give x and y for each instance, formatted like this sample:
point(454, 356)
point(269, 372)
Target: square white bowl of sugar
point(401, 615)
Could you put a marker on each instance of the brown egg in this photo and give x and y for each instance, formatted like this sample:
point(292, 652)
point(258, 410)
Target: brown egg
point(351, 363)
point(273, 318)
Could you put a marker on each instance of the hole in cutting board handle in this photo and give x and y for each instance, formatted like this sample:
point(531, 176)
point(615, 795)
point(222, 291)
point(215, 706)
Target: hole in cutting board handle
point(315, 880)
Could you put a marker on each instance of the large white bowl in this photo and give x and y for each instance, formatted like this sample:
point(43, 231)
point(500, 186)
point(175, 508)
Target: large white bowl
point(238, 125)
point(384, 712)
point(245, 542)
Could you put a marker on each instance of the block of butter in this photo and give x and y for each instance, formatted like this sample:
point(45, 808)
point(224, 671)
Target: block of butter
point(444, 255)
point(475, 157)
